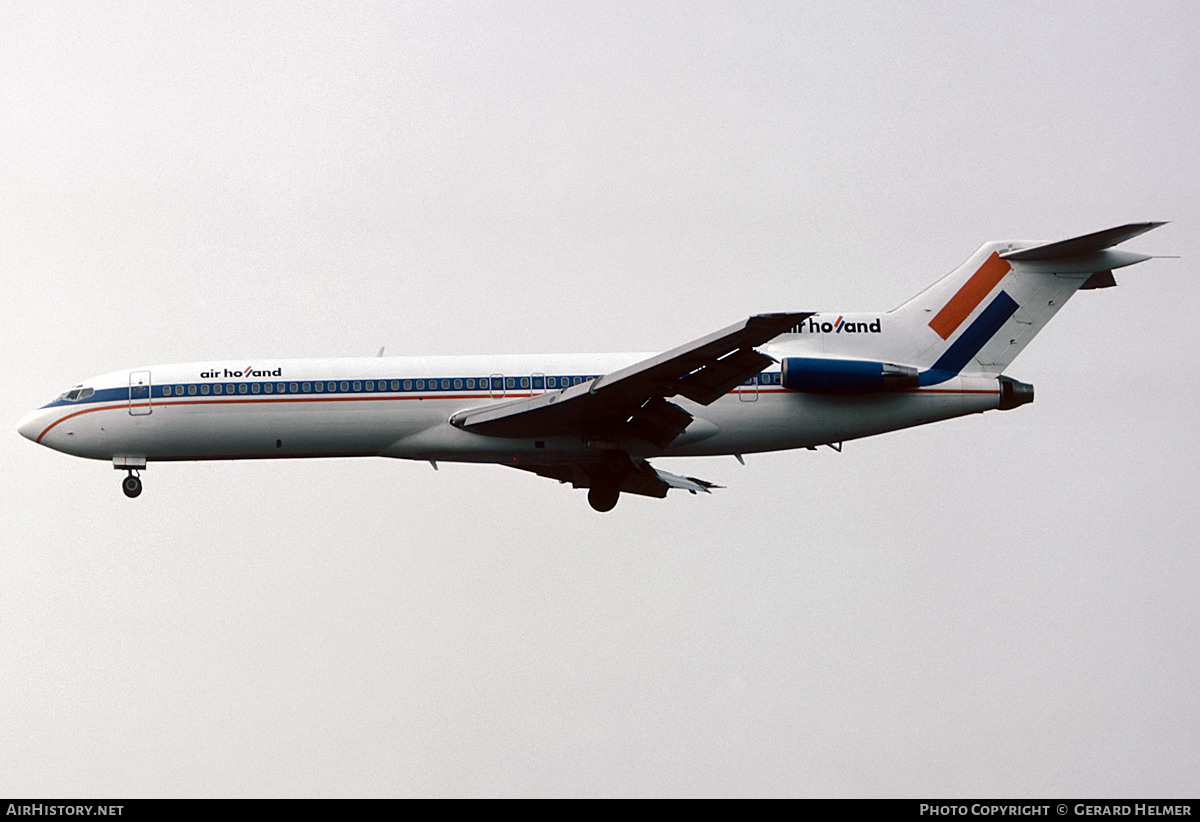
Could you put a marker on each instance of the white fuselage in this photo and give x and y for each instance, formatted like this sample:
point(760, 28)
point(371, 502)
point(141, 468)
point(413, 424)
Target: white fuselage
point(400, 407)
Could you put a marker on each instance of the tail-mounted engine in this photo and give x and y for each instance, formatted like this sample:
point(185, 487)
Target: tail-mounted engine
point(817, 375)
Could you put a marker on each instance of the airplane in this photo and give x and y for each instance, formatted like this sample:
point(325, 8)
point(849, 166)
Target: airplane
point(767, 383)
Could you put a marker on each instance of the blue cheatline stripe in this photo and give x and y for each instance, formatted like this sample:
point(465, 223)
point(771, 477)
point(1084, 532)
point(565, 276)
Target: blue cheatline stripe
point(333, 388)
point(971, 341)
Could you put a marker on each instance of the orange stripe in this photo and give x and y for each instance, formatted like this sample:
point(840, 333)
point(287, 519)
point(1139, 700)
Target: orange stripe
point(248, 400)
point(969, 296)
point(46, 430)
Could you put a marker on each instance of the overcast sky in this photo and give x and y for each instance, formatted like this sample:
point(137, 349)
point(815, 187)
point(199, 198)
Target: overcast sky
point(1002, 605)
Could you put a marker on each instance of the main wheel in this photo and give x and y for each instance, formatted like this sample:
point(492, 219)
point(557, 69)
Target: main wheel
point(132, 486)
point(603, 498)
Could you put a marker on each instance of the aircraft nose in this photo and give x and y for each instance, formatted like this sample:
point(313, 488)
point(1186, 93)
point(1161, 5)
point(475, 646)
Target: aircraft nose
point(29, 425)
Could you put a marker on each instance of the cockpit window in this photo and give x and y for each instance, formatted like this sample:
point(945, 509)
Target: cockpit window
point(76, 394)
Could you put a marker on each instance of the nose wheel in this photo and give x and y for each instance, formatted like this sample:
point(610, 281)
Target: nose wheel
point(132, 485)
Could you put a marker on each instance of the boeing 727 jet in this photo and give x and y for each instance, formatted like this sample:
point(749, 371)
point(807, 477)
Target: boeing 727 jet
point(767, 383)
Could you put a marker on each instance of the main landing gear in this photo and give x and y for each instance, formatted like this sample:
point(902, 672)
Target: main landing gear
point(606, 480)
point(603, 497)
point(132, 485)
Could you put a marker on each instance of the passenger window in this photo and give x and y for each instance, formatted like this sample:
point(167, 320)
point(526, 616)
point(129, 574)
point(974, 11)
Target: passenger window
point(458, 384)
point(524, 382)
point(280, 388)
point(408, 385)
point(217, 388)
point(204, 388)
point(242, 388)
point(420, 385)
point(268, 387)
point(370, 385)
point(318, 387)
point(166, 390)
point(255, 388)
point(396, 385)
point(510, 382)
point(332, 386)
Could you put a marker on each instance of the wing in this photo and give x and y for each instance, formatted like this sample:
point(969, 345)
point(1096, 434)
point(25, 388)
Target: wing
point(631, 403)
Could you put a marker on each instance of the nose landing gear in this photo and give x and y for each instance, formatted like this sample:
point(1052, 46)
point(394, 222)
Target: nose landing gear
point(132, 485)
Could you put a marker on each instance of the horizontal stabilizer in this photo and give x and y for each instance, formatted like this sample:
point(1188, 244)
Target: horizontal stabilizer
point(1087, 244)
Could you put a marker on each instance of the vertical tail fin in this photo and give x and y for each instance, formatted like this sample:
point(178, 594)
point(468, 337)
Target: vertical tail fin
point(982, 315)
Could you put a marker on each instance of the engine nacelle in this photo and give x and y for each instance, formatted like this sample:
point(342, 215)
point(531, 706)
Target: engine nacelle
point(1013, 393)
point(820, 375)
